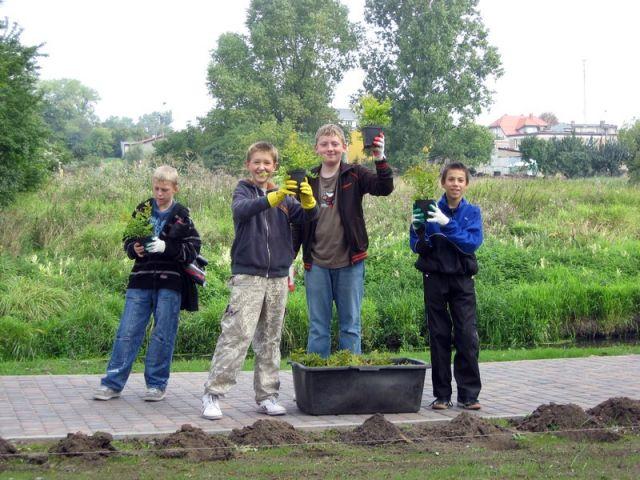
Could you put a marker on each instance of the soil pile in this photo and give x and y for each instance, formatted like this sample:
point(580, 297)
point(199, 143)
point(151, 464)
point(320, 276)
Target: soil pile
point(194, 444)
point(622, 411)
point(6, 449)
point(88, 447)
point(375, 430)
point(267, 432)
point(467, 428)
point(568, 420)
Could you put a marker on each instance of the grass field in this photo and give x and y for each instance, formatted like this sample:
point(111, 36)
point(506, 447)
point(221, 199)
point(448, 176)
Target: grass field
point(560, 261)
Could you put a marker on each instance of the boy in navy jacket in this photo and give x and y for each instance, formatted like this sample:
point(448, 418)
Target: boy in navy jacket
point(446, 243)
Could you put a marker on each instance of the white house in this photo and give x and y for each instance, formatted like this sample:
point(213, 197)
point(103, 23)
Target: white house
point(146, 144)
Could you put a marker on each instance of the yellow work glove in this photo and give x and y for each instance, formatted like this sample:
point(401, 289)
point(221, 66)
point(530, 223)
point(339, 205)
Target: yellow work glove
point(275, 198)
point(307, 199)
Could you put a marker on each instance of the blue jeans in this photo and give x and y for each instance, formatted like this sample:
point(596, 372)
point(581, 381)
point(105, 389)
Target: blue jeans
point(139, 304)
point(345, 287)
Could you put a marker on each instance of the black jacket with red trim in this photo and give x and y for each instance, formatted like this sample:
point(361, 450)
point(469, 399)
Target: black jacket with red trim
point(354, 181)
point(165, 270)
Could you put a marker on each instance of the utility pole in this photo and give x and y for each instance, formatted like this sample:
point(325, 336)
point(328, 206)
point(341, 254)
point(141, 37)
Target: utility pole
point(584, 90)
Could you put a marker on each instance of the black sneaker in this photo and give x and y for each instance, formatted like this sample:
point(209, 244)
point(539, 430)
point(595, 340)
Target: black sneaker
point(441, 403)
point(469, 404)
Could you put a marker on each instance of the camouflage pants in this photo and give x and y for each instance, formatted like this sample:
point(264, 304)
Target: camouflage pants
point(254, 315)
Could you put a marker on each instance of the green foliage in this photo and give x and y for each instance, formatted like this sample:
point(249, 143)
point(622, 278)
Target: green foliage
point(297, 154)
point(24, 158)
point(630, 138)
point(139, 226)
point(424, 180)
point(573, 158)
point(434, 60)
point(469, 143)
point(344, 358)
point(370, 111)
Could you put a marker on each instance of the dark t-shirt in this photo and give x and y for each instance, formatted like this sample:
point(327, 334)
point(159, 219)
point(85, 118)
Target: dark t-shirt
point(329, 249)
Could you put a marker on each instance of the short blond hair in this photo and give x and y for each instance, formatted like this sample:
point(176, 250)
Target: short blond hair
point(331, 130)
point(262, 147)
point(165, 173)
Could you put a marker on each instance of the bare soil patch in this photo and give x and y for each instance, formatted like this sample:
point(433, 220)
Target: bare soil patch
point(622, 411)
point(194, 444)
point(88, 447)
point(7, 450)
point(569, 421)
point(375, 430)
point(265, 433)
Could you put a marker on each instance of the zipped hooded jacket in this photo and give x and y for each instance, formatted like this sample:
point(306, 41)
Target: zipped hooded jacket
point(263, 243)
point(354, 181)
point(449, 249)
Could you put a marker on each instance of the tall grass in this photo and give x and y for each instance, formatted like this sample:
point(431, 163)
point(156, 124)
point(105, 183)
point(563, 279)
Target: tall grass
point(561, 260)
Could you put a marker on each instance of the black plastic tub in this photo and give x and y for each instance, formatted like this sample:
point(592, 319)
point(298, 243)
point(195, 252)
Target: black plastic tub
point(362, 389)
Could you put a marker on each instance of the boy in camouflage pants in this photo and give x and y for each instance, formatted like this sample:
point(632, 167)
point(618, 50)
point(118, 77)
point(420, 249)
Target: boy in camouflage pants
point(261, 255)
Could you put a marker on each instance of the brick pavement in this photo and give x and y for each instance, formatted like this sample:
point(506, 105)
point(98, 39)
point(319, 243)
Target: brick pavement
point(50, 406)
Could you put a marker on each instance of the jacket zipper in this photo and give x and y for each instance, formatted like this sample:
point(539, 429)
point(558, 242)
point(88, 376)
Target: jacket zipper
point(266, 225)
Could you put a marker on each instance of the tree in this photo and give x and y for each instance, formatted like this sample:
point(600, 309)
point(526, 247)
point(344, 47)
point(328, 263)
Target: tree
point(122, 129)
point(630, 137)
point(69, 111)
point(550, 118)
point(23, 156)
point(536, 153)
point(156, 123)
point(469, 143)
point(287, 67)
point(433, 59)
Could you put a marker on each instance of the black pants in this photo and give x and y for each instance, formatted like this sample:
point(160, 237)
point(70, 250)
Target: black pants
point(450, 304)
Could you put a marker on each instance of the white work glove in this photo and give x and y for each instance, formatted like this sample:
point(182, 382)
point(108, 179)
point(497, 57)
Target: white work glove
point(436, 216)
point(155, 246)
point(378, 147)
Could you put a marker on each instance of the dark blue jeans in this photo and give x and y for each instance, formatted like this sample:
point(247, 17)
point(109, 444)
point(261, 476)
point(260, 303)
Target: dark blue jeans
point(345, 287)
point(138, 307)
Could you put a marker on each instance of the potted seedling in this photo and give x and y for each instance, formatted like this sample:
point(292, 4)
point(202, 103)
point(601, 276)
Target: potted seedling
point(346, 383)
point(139, 227)
point(297, 158)
point(373, 116)
point(423, 180)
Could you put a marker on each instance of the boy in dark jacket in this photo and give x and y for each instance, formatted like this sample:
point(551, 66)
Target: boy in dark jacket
point(261, 255)
point(335, 246)
point(155, 286)
point(446, 243)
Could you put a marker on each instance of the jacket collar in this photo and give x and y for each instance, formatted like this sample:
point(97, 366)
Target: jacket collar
point(444, 206)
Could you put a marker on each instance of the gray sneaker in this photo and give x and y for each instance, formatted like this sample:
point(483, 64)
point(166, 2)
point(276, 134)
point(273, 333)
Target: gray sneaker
point(154, 394)
point(105, 393)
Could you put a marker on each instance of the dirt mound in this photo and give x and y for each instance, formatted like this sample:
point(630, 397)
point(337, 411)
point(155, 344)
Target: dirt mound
point(267, 432)
point(6, 449)
point(622, 411)
point(193, 443)
point(466, 428)
point(88, 447)
point(568, 420)
point(375, 429)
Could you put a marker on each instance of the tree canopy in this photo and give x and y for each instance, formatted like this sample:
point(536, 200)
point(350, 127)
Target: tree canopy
point(23, 160)
point(434, 60)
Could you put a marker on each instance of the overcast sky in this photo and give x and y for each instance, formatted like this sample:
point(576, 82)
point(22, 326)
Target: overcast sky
point(146, 55)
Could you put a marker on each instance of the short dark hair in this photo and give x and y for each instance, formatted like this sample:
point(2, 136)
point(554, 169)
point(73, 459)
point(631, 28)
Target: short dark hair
point(454, 166)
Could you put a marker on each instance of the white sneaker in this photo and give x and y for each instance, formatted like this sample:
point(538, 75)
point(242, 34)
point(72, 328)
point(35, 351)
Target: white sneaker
point(210, 408)
point(105, 393)
point(154, 394)
point(271, 407)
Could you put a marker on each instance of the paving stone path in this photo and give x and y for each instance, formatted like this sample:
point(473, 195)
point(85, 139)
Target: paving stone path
point(50, 406)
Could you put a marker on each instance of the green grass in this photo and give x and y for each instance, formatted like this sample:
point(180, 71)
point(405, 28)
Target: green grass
point(64, 366)
point(560, 261)
point(538, 456)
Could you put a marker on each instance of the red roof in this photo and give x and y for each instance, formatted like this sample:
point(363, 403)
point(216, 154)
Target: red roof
point(510, 124)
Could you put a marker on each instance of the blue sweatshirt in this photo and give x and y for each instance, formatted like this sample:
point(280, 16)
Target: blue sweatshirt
point(449, 249)
point(263, 245)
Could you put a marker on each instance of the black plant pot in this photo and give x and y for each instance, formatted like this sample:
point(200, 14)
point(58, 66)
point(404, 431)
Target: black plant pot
point(144, 240)
point(369, 133)
point(298, 174)
point(425, 206)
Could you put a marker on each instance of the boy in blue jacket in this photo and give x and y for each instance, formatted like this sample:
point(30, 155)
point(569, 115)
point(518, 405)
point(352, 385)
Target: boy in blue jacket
point(261, 255)
point(446, 243)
